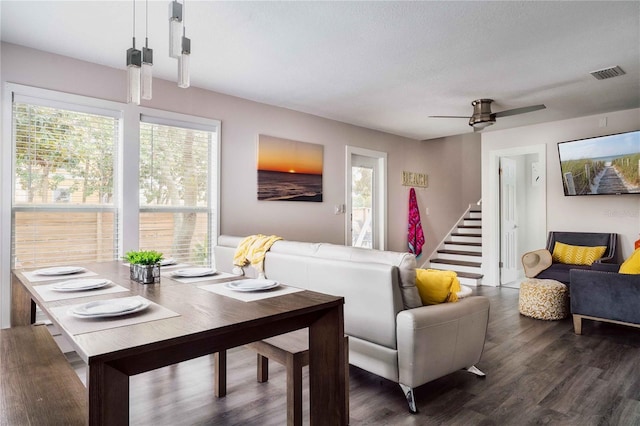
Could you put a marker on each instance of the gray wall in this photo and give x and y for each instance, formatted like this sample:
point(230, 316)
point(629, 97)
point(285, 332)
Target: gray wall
point(453, 164)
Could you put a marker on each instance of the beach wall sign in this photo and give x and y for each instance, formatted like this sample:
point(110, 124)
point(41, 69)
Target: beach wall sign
point(419, 180)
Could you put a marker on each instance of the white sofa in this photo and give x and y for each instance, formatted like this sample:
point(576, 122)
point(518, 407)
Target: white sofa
point(390, 333)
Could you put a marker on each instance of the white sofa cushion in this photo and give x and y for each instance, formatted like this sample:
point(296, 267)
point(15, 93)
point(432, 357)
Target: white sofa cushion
point(370, 291)
point(405, 262)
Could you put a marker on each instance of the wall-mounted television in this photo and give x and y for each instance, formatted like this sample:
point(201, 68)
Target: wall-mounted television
point(603, 165)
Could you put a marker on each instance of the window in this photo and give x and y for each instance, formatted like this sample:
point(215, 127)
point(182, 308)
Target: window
point(361, 203)
point(70, 182)
point(63, 205)
point(176, 167)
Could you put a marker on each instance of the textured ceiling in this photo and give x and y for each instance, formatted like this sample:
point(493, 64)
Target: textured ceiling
point(381, 65)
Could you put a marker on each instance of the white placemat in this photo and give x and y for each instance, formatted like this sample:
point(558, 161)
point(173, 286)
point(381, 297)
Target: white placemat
point(48, 294)
point(217, 277)
point(252, 295)
point(34, 278)
point(87, 325)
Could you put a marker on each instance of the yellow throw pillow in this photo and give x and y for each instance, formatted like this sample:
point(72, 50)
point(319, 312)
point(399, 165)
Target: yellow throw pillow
point(632, 264)
point(437, 286)
point(576, 255)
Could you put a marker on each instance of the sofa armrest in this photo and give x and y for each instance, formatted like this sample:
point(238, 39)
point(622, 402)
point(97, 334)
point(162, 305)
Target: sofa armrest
point(608, 259)
point(605, 295)
point(605, 267)
point(439, 339)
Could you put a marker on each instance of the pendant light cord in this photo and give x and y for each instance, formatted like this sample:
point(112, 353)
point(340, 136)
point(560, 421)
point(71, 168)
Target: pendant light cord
point(134, 23)
point(146, 23)
point(184, 17)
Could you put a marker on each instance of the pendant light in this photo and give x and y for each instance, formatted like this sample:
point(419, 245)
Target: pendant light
point(175, 29)
point(184, 80)
point(134, 63)
point(147, 59)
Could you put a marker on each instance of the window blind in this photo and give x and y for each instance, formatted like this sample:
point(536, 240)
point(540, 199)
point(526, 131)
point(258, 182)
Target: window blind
point(175, 191)
point(63, 207)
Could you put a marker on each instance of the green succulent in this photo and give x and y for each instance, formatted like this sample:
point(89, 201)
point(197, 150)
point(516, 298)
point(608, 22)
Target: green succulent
point(143, 257)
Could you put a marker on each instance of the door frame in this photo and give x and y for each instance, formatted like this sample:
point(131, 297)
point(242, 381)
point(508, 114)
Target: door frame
point(491, 209)
point(380, 194)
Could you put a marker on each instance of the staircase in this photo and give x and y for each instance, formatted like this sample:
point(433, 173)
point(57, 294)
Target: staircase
point(462, 250)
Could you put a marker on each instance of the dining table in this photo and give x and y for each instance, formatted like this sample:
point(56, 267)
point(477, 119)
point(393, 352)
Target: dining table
point(180, 319)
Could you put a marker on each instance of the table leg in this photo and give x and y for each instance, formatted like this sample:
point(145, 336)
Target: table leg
point(294, 363)
point(263, 368)
point(23, 309)
point(220, 372)
point(327, 369)
point(108, 391)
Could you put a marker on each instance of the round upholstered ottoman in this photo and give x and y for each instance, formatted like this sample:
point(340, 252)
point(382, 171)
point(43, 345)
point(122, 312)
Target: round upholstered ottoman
point(543, 299)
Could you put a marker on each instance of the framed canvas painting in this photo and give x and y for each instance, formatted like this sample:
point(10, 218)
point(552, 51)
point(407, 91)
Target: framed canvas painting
point(289, 170)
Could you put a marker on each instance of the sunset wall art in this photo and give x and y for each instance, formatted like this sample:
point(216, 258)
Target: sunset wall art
point(289, 170)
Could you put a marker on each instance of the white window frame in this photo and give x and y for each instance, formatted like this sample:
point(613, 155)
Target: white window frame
point(127, 202)
point(166, 118)
point(40, 97)
point(75, 103)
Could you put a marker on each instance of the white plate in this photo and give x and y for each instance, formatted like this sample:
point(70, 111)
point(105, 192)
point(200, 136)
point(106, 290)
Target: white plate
point(80, 284)
point(252, 285)
point(110, 308)
point(167, 262)
point(59, 270)
point(193, 272)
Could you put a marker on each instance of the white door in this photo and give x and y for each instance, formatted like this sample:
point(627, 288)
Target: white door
point(366, 198)
point(508, 221)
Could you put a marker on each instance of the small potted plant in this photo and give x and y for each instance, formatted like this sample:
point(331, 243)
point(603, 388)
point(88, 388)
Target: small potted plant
point(144, 265)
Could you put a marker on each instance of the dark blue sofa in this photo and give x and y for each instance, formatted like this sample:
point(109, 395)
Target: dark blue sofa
point(604, 296)
point(560, 271)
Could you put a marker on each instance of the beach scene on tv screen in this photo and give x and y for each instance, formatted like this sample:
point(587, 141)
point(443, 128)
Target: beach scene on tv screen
point(604, 165)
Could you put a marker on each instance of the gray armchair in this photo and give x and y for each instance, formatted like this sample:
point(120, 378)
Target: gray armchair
point(604, 296)
point(560, 271)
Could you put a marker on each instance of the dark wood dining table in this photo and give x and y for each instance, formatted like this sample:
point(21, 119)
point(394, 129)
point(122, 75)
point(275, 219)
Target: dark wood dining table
point(206, 323)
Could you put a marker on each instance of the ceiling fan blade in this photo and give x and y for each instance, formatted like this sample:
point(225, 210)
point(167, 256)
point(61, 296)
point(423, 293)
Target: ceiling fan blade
point(519, 110)
point(448, 116)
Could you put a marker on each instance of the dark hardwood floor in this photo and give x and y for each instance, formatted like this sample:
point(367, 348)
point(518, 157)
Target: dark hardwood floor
point(538, 372)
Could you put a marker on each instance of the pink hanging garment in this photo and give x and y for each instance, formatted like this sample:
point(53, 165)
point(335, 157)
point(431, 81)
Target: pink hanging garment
point(415, 236)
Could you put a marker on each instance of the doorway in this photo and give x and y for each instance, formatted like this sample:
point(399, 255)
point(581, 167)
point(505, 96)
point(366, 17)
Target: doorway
point(366, 221)
point(515, 210)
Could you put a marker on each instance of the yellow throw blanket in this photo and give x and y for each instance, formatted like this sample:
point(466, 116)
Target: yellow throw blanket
point(253, 249)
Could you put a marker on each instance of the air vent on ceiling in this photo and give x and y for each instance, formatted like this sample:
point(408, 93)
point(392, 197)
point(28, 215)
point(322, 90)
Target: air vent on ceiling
point(608, 73)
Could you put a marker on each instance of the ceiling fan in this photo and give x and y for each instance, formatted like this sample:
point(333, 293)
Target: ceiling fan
point(483, 117)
